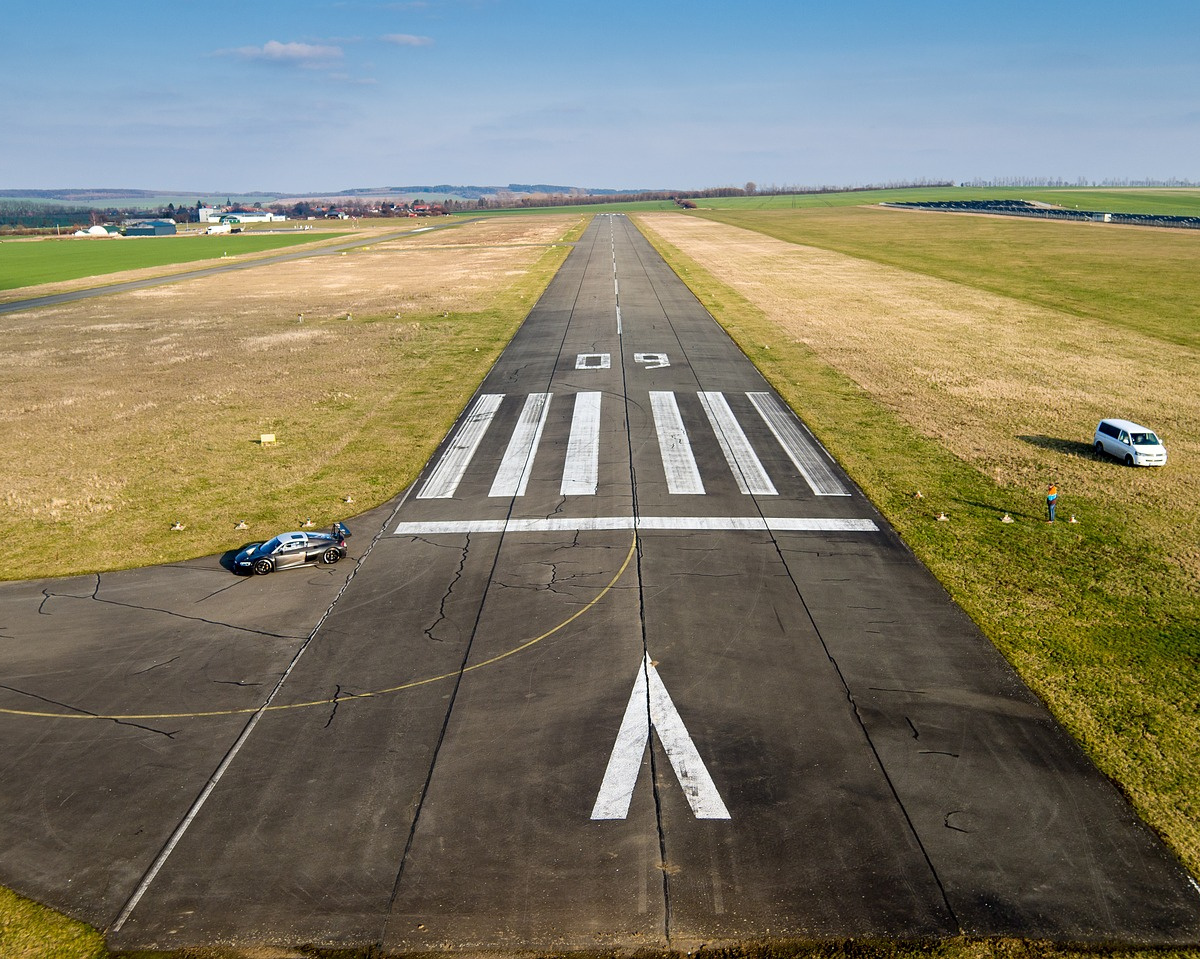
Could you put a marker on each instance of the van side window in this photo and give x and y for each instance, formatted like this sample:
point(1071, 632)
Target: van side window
point(1124, 437)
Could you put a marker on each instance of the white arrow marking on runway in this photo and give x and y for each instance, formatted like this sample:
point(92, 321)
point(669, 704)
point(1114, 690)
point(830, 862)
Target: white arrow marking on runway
point(616, 791)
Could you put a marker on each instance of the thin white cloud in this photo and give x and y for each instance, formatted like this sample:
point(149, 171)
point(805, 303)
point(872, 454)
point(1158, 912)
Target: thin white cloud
point(300, 54)
point(353, 81)
point(407, 40)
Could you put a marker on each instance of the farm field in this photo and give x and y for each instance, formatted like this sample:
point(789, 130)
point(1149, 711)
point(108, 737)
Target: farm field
point(154, 401)
point(956, 376)
point(31, 262)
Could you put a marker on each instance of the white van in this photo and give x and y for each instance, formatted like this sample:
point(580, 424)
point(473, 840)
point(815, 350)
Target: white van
point(1132, 444)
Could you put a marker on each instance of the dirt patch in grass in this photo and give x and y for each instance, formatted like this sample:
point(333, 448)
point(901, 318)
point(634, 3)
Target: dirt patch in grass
point(126, 414)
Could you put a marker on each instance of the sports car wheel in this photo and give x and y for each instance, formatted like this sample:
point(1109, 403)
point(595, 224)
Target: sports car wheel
point(262, 567)
point(330, 556)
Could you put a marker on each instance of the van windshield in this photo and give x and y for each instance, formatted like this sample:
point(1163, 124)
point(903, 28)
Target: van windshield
point(1144, 439)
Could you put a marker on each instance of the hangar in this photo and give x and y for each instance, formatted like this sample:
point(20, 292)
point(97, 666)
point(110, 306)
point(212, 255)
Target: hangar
point(151, 228)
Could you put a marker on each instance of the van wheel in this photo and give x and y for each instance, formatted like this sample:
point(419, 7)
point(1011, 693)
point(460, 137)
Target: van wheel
point(1099, 448)
point(1128, 460)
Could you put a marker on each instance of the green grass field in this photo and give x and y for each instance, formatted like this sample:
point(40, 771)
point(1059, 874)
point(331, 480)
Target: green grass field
point(32, 262)
point(1175, 202)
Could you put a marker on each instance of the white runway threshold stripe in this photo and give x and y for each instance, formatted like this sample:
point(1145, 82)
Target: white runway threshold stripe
point(448, 473)
point(513, 475)
point(683, 477)
point(567, 524)
point(739, 454)
point(581, 470)
point(808, 458)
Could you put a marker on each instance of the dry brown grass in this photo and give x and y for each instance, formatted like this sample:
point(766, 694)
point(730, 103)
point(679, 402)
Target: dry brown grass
point(1005, 385)
point(123, 414)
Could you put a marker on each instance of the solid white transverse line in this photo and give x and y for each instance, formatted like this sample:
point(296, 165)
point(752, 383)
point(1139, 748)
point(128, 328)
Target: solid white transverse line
point(448, 473)
point(650, 705)
point(813, 466)
point(683, 477)
point(581, 470)
point(567, 524)
point(739, 454)
point(517, 464)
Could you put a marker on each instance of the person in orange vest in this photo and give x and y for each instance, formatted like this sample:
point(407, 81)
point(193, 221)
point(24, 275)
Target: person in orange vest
point(1051, 500)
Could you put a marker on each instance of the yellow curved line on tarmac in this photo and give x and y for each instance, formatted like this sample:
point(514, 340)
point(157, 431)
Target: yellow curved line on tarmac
point(344, 699)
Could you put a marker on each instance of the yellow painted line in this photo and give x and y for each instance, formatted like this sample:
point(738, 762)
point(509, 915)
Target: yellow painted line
point(345, 699)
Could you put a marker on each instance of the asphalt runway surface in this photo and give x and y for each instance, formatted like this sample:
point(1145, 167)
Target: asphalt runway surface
point(633, 664)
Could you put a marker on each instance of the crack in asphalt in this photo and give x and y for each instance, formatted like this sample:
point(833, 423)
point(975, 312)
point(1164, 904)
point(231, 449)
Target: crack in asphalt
point(441, 617)
point(333, 712)
point(48, 595)
point(156, 666)
point(87, 712)
point(549, 586)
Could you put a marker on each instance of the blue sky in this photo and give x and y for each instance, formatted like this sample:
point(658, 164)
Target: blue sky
point(322, 95)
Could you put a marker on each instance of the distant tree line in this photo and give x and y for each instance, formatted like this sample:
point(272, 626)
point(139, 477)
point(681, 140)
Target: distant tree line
point(684, 198)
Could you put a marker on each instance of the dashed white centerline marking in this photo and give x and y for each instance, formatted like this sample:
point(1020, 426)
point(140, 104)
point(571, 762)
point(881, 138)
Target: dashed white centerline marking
point(683, 477)
point(448, 473)
point(581, 470)
point(517, 464)
point(747, 469)
point(802, 451)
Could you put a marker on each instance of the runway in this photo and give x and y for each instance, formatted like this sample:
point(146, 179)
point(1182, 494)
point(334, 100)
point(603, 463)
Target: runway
point(633, 664)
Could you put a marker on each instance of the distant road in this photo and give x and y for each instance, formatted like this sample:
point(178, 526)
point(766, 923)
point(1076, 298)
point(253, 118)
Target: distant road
point(57, 299)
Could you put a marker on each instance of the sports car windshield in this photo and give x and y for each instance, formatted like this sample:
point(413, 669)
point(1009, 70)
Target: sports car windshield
point(269, 546)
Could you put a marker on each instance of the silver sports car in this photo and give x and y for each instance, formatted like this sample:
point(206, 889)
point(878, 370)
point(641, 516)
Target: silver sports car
point(293, 549)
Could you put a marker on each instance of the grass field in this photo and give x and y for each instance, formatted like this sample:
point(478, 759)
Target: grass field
point(927, 352)
point(1139, 279)
point(30, 262)
point(126, 414)
point(1183, 201)
point(958, 377)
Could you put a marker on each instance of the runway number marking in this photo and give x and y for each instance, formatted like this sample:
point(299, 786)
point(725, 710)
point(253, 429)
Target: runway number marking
point(652, 361)
point(593, 361)
point(616, 791)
